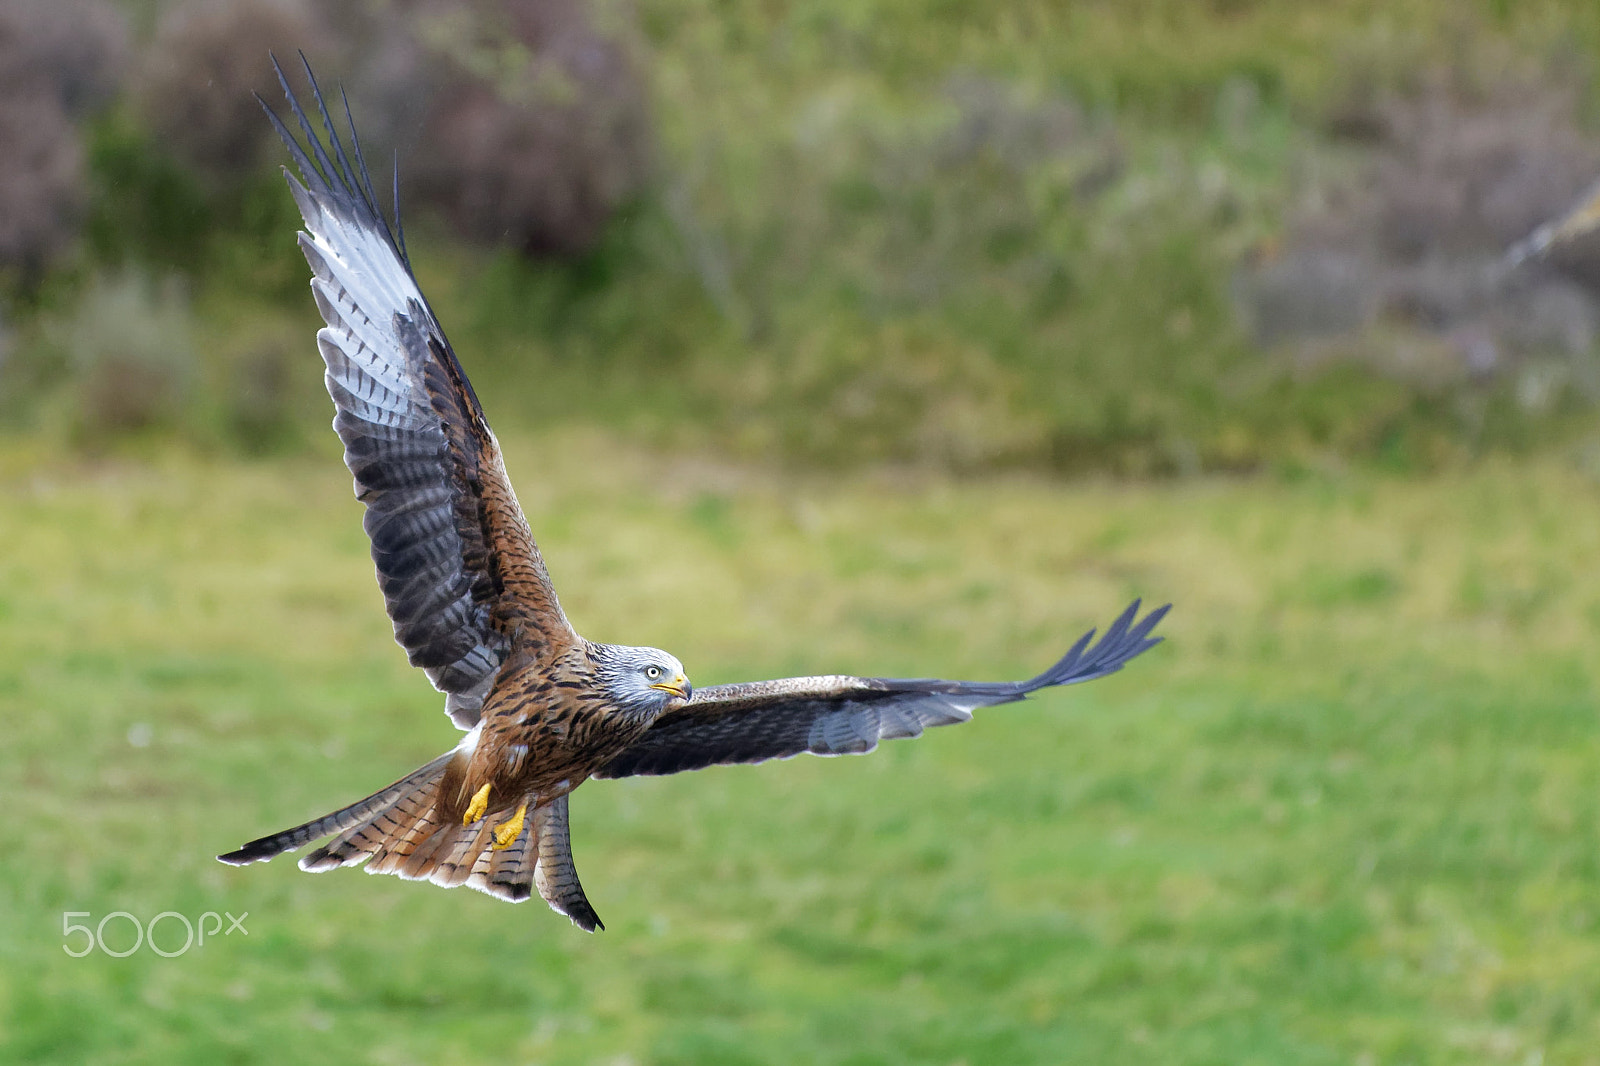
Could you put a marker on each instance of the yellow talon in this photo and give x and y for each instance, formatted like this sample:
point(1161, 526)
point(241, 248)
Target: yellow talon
point(479, 804)
point(507, 832)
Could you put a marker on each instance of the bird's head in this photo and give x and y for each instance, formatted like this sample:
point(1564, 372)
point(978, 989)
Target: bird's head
point(641, 680)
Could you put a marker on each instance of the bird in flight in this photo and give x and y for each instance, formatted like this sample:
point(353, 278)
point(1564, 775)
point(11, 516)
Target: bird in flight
point(542, 708)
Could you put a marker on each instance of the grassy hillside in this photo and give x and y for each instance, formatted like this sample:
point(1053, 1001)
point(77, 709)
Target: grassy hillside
point(974, 237)
point(1345, 814)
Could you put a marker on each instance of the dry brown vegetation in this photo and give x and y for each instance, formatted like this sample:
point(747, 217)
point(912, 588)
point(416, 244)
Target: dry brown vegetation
point(58, 61)
point(1403, 266)
point(195, 82)
point(539, 130)
point(523, 123)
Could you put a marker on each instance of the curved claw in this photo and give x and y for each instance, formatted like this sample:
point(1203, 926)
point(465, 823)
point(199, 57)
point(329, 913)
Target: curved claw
point(475, 809)
point(506, 833)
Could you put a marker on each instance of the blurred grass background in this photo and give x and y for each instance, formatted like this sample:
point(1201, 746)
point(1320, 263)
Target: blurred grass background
point(888, 337)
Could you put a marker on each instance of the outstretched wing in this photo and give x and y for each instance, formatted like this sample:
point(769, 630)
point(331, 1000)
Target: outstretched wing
point(458, 567)
point(762, 720)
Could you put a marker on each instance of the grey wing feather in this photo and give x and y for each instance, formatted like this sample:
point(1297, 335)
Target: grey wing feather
point(839, 715)
point(408, 419)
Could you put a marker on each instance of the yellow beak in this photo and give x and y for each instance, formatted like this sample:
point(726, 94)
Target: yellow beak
point(679, 686)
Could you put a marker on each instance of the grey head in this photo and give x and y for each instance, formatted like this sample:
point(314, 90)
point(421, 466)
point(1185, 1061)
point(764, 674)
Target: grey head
point(641, 681)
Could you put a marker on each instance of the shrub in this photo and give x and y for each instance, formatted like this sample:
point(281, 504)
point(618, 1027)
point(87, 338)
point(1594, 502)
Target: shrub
point(193, 88)
point(57, 60)
point(538, 132)
point(1403, 268)
point(77, 48)
point(41, 182)
point(528, 118)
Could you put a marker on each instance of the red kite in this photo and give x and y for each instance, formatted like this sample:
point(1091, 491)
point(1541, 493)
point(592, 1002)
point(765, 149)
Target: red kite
point(543, 709)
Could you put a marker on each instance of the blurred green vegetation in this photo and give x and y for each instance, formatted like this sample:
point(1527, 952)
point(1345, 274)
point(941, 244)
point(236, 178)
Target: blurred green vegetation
point(967, 236)
point(1346, 814)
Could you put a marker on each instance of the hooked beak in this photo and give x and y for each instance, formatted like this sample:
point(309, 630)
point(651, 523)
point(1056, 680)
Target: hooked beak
point(679, 686)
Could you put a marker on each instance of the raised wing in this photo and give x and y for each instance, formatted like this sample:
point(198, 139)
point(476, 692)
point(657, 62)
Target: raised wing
point(762, 720)
point(455, 559)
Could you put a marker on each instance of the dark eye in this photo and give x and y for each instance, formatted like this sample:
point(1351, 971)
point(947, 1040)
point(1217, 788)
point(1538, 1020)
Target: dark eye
point(652, 672)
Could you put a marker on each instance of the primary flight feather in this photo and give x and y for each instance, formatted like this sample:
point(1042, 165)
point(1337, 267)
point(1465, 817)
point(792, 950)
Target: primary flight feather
point(472, 604)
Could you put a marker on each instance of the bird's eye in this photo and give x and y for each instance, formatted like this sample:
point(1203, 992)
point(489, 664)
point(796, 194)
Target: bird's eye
point(652, 672)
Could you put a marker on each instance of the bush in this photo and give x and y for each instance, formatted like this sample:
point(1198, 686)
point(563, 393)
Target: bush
point(538, 132)
point(193, 89)
point(1403, 268)
point(41, 183)
point(58, 60)
point(77, 48)
point(527, 117)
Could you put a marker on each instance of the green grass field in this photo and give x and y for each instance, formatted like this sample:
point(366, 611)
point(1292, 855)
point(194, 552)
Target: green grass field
point(1347, 814)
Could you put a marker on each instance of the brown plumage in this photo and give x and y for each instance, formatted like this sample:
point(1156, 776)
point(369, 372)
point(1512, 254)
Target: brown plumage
point(472, 605)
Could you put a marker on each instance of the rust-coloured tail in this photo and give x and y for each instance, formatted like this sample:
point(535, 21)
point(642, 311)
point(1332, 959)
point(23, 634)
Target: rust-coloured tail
point(413, 829)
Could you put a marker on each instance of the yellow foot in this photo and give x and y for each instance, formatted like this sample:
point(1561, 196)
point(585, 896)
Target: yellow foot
point(506, 833)
point(475, 809)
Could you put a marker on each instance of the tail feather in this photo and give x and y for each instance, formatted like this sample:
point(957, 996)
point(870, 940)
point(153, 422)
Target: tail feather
point(415, 829)
point(508, 873)
point(436, 858)
point(358, 815)
point(412, 829)
point(555, 874)
point(384, 841)
point(406, 823)
point(453, 866)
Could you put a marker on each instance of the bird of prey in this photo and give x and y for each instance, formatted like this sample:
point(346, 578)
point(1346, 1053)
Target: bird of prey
point(542, 708)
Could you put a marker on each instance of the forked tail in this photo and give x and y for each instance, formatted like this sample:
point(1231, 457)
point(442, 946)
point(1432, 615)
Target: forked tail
point(413, 829)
